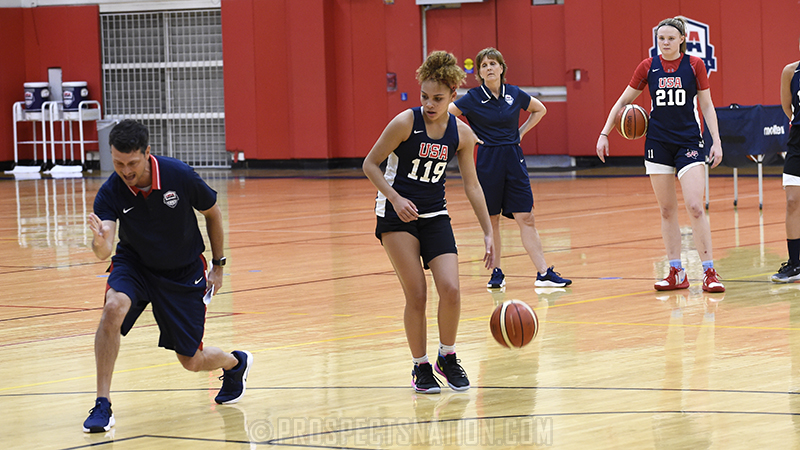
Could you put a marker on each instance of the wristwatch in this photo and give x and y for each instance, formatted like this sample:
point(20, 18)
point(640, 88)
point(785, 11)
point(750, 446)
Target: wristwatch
point(219, 262)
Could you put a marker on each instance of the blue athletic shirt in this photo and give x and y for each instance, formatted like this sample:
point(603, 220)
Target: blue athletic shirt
point(795, 89)
point(494, 120)
point(416, 169)
point(674, 118)
point(158, 228)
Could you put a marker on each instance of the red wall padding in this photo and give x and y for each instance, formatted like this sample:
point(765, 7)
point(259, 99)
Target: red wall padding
point(39, 38)
point(12, 55)
point(241, 130)
point(403, 57)
point(306, 79)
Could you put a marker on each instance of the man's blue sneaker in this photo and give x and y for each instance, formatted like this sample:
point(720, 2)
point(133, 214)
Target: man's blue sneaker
point(101, 418)
point(551, 279)
point(234, 381)
point(498, 280)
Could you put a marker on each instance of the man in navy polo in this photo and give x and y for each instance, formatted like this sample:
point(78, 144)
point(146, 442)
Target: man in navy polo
point(159, 261)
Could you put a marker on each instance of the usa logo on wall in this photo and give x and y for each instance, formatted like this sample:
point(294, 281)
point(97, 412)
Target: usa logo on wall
point(697, 44)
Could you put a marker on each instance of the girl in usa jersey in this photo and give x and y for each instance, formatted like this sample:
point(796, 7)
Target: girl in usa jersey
point(416, 169)
point(678, 84)
point(413, 223)
point(790, 101)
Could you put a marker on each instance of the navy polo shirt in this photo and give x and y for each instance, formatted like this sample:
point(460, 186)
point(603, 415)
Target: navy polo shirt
point(494, 120)
point(159, 228)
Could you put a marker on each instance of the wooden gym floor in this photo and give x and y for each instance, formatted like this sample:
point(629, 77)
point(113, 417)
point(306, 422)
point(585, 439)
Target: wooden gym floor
point(310, 292)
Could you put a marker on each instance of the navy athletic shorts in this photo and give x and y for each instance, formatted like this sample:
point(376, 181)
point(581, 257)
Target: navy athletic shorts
point(503, 175)
point(176, 296)
point(435, 234)
point(671, 156)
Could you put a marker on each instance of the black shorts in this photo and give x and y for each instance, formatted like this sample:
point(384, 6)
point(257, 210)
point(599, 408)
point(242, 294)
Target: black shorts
point(503, 175)
point(791, 166)
point(435, 234)
point(176, 296)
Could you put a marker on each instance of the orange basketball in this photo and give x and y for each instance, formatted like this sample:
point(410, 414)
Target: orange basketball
point(514, 324)
point(632, 121)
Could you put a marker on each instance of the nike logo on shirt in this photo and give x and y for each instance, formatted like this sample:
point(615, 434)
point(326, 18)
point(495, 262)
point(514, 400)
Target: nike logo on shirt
point(125, 211)
point(484, 101)
point(418, 131)
point(198, 280)
point(656, 70)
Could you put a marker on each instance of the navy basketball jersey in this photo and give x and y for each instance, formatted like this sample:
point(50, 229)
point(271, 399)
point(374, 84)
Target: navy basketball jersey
point(674, 118)
point(795, 90)
point(416, 169)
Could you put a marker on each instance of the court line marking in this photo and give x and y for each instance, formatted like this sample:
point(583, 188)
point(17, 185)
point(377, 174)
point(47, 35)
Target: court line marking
point(276, 441)
point(629, 294)
point(396, 330)
point(154, 366)
point(281, 441)
point(378, 333)
point(523, 388)
point(710, 325)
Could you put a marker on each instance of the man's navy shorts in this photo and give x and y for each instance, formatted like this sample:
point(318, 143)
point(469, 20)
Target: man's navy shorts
point(176, 296)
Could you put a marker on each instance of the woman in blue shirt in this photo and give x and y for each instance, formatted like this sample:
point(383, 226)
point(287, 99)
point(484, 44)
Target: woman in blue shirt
point(493, 113)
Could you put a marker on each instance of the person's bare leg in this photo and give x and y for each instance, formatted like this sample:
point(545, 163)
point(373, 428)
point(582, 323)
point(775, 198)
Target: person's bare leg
point(107, 339)
point(531, 240)
point(403, 251)
point(664, 188)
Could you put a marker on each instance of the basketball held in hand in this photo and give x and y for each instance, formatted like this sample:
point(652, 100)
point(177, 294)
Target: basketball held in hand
point(632, 121)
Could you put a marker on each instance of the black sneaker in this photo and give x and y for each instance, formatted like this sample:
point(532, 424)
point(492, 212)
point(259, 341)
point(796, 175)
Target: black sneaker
point(100, 417)
point(449, 367)
point(788, 273)
point(423, 380)
point(498, 280)
point(234, 381)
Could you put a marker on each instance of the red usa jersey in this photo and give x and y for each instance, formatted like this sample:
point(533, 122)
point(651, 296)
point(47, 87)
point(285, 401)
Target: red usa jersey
point(674, 117)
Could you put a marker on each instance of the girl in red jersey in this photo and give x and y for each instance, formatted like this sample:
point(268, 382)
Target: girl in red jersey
point(678, 83)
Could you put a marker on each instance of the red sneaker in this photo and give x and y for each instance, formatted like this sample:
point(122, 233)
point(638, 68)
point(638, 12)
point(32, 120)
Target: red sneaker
point(675, 280)
point(711, 281)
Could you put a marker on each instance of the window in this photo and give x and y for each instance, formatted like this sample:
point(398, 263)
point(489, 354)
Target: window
point(165, 70)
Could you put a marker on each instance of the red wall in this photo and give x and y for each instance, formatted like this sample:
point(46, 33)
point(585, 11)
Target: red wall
point(12, 75)
point(306, 79)
point(36, 39)
point(240, 84)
